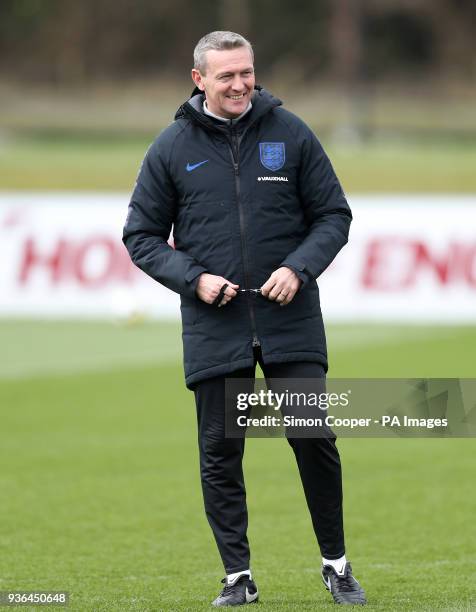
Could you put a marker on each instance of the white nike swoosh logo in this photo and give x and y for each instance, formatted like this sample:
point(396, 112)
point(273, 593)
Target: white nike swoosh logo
point(250, 597)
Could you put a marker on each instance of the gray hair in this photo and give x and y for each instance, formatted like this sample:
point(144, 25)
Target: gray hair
point(217, 41)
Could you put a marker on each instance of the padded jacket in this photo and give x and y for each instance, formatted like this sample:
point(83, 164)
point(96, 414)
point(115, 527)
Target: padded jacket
point(243, 198)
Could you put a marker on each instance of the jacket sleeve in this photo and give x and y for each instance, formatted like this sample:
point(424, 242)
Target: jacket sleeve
point(149, 221)
point(326, 211)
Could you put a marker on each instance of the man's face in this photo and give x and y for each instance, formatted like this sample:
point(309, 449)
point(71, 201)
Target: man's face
point(228, 82)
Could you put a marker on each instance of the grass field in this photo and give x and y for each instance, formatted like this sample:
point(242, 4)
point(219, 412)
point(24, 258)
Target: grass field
point(107, 163)
point(100, 492)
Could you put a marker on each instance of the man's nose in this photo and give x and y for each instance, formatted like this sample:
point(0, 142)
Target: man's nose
point(237, 84)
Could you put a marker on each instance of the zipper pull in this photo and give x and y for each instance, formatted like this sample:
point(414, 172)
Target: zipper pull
point(255, 342)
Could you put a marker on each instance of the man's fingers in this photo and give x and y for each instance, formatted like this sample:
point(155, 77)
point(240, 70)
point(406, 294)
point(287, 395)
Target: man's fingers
point(269, 289)
point(231, 288)
point(226, 298)
point(281, 286)
point(289, 298)
point(209, 287)
point(228, 293)
point(266, 288)
point(278, 293)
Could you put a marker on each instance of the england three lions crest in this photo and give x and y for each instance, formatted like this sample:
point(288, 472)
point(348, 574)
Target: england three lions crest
point(272, 155)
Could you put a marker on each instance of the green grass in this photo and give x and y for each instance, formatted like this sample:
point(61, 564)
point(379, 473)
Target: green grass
point(76, 164)
point(101, 495)
point(107, 163)
point(416, 167)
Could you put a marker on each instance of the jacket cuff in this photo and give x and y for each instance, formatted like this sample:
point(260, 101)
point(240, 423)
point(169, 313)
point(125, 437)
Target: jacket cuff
point(192, 277)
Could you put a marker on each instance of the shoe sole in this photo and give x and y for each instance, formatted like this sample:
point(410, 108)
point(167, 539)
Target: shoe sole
point(343, 603)
point(245, 603)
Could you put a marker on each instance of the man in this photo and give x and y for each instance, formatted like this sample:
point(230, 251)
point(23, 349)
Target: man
point(257, 215)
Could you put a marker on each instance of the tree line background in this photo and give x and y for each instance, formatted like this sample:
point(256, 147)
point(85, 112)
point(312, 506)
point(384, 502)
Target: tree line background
point(70, 42)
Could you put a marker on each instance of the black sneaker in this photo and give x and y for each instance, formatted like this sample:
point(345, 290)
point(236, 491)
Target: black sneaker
point(242, 591)
point(344, 588)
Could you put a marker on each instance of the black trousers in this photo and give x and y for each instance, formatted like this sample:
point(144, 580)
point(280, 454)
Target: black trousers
point(222, 472)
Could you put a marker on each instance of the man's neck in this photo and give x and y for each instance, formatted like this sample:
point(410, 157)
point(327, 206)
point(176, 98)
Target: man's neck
point(225, 119)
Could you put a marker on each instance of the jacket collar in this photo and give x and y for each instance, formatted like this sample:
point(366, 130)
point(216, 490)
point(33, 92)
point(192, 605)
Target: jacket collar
point(222, 119)
point(263, 102)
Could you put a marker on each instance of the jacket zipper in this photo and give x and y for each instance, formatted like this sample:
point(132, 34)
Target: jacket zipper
point(234, 150)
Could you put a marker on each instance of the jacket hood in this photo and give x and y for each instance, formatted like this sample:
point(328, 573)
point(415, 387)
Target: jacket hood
point(262, 102)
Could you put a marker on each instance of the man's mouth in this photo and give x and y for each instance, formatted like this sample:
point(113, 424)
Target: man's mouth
point(239, 97)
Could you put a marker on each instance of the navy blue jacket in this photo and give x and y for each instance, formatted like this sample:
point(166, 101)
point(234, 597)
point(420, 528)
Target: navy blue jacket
point(244, 198)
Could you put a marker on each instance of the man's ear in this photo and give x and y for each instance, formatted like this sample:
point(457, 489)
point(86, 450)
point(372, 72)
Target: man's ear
point(197, 79)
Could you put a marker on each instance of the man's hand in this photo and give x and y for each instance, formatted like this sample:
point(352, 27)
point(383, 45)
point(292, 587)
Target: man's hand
point(281, 286)
point(209, 286)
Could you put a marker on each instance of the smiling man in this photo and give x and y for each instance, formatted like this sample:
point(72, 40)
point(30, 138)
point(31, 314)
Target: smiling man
point(258, 214)
point(228, 80)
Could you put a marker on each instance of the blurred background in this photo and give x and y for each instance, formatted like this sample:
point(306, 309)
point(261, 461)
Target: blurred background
point(91, 83)
point(98, 446)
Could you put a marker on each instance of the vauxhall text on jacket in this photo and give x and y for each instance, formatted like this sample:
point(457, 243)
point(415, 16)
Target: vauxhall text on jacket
point(244, 198)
